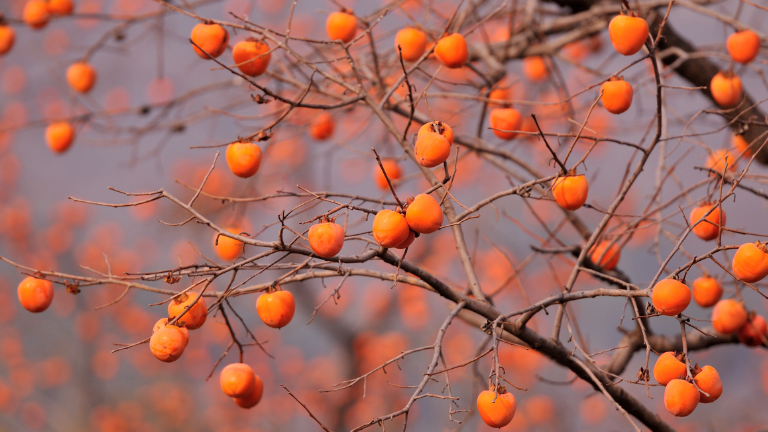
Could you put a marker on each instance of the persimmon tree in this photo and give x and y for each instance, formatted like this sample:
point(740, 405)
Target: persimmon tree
point(490, 208)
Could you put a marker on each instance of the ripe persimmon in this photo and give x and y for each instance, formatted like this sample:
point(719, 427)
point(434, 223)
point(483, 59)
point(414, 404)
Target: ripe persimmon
point(707, 291)
point(628, 33)
point(505, 120)
point(570, 191)
point(35, 295)
point(394, 172)
point(237, 380)
point(197, 314)
point(709, 228)
point(36, 14)
point(81, 77)
point(607, 252)
point(322, 126)
point(726, 89)
point(728, 316)
point(681, 397)
point(452, 51)
point(709, 382)
point(432, 149)
point(670, 297)
point(496, 410)
point(742, 146)
point(424, 214)
point(211, 38)
point(326, 238)
point(251, 56)
point(499, 94)
point(743, 46)
point(390, 228)
point(750, 262)
point(408, 240)
point(162, 322)
point(669, 366)
point(60, 7)
point(616, 95)
point(168, 343)
point(437, 127)
point(754, 332)
point(227, 248)
point(243, 159)
point(253, 398)
point(276, 309)
point(718, 159)
point(7, 38)
point(341, 26)
point(59, 136)
point(412, 42)
point(535, 68)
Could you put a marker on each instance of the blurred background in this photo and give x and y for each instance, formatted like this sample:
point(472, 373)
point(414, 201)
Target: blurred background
point(154, 99)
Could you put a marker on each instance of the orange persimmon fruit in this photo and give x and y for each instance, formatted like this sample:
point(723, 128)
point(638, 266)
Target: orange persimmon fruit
point(211, 38)
point(707, 291)
point(326, 238)
point(7, 38)
point(195, 316)
point(237, 380)
point(670, 297)
point(754, 332)
point(81, 77)
point(59, 136)
point(681, 397)
point(728, 316)
point(669, 366)
point(253, 398)
point(742, 146)
point(60, 7)
point(394, 172)
point(504, 121)
point(616, 95)
point(452, 51)
point(709, 382)
point(390, 229)
point(432, 149)
point(322, 126)
point(412, 42)
point(750, 262)
point(607, 252)
point(36, 14)
point(718, 159)
point(424, 214)
point(707, 229)
point(341, 26)
point(227, 248)
point(276, 309)
point(243, 159)
point(251, 56)
point(167, 344)
point(437, 127)
point(162, 322)
point(35, 295)
point(628, 33)
point(743, 46)
point(535, 68)
point(496, 410)
point(726, 89)
point(570, 191)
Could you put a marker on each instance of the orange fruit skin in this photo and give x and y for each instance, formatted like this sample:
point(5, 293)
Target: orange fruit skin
point(197, 314)
point(726, 91)
point(571, 192)
point(162, 322)
point(276, 309)
point(390, 228)
point(243, 159)
point(393, 171)
point(35, 295)
point(750, 263)
point(237, 380)
point(749, 334)
point(167, 344)
point(617, 96)
point(709, 227)
point(59, 136)
point(452, 51)
point(535, 69)
point(253, 398)
point(211, 38)
point(610, 258)
point(499, 413)
point(717, 160)
point(432, 149)
point(408, 241)
point(433, 127)
point(36, 14)
point(681, 398)
point(628, 34)
point(60, 7)
point(743, 46)
point(742, 145)
point(81, 77)
point(322, 127)
point(707, 291)
point(251, 57)
point(499, 95)
point(670, 297)
point(326, 239)
point(341, 26)
point(667, 368)
point(505, 119)
point(413, 43)
point(227, 248)
point(424, 214)
point(708, 381)
point(728, 316)
point(7, 38)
